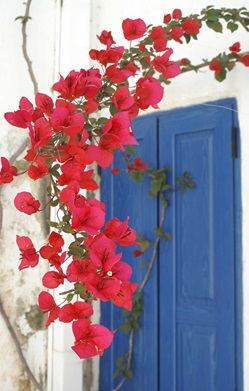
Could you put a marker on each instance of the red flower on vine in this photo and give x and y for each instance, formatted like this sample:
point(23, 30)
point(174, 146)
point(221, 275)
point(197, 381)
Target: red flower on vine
point(26, 203)
point(90, 339)
point(29, 255)
point(133, 28)
point(7, 171)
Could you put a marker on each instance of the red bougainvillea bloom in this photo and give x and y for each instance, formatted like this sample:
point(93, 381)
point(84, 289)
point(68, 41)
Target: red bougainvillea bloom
point(7, 171)
point(38, 169)
point(133, 28)
point(89, 219)
point(244, 59)
point(177, 14)
point(44, 103)
point(115, 171)
point(120, 232)
point(149, 92)
point(137, 253)
point(90, 339)
point(104, 57)
point(176, 33)
point(26, 203)
point(124, 296)
point(191, 26)
point(169, 69)
point(106, 38)
point(138, 165)
point(215, 66)
point(47, 304)
point(41, 133)
point(62, 120)
point(29, 255)
point(117, 75)
point(53, 279)
point(77, 310)
point(122, 98)
point(166, 18)
point(235, 48)
point(117, 132)
point(18, 118)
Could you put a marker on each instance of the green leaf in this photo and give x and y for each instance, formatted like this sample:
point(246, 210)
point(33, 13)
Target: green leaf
point(232, 26)
point(144, 244)
point(70, 297)
point(143, 264)
point(167, 236)
point(53, 224)
point(113, 109)
point(116, 373)
point(54, 203)
point(159, 232)
point(125, 327)
point(217, 26)
point(130, 149)
point(222, 75)
point(128, 374)
point(68, 230)
point(102, 120)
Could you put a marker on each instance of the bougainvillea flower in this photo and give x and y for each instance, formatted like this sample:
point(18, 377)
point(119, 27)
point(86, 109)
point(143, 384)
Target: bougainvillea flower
point(7, 171)
point(169, 69)
point(191, 26)
point(244, 59)
point(44, 103)
point(216, 67)
point(117, 132)
point(235, 48)
point(41, 133)
point(77, 310)
point(53, 279)
point(120, 232)
point(38, 170)
point(124, 296)
point(78, 270)
point(115, 171)
point(176, 33)
point(133, 28)
point(19, 118)
point(149, 92)
point(117, 75)
point(47, 304)
point(29, 255)
point(122, 98)
point(110, 56)
point(106, 38)
point(138, 165)
point(56, 240)
point(89, 219)
point(90, 339)
point(104, 288)
point(62, 120)
point(176, 14)
point(26, 203)
point(90, 106)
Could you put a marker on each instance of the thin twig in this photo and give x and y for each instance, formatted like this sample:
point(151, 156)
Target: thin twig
point(24, 47)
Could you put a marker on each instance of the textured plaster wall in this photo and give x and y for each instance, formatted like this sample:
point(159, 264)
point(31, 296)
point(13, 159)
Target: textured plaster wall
point(19, 289)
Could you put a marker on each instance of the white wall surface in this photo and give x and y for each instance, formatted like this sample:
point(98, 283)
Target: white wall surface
point(19, 289)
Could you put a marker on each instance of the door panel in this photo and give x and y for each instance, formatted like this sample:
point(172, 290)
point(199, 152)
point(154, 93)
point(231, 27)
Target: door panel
point(187, 337)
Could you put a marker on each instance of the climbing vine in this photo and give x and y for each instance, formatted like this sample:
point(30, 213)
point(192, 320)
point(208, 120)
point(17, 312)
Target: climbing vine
point(74, 131)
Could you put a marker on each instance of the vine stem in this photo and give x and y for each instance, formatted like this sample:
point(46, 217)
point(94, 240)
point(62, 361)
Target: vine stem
point(141, 287)
point(24, 46)
point(12, 159)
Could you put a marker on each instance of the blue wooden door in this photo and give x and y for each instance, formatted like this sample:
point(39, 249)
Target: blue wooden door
point(188, 337)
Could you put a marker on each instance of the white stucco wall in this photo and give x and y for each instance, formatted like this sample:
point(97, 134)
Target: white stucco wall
point(60, 36)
